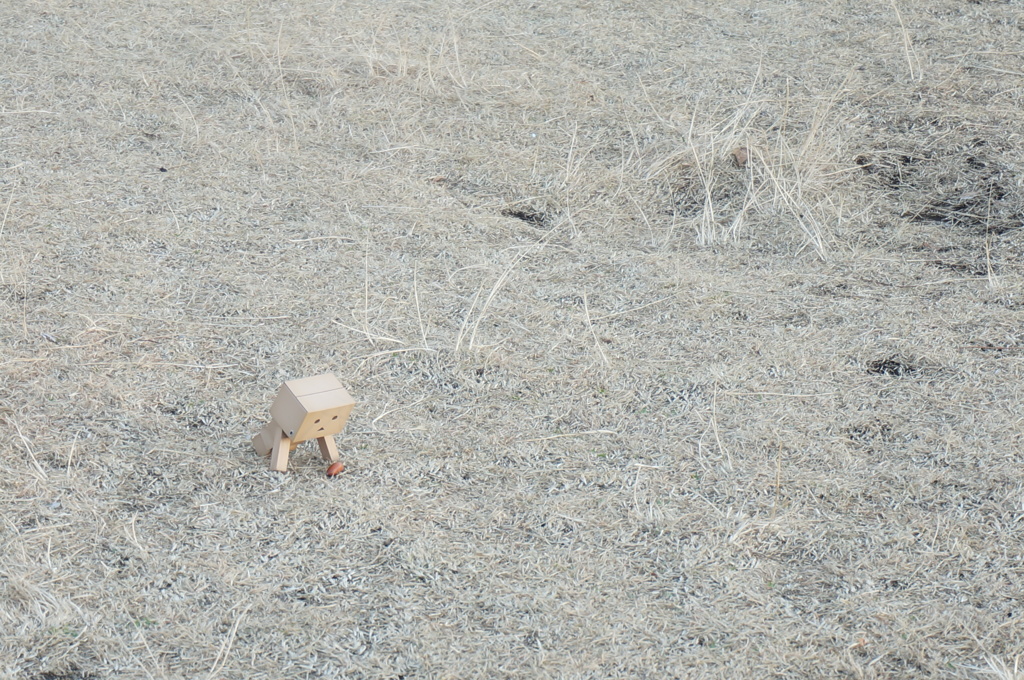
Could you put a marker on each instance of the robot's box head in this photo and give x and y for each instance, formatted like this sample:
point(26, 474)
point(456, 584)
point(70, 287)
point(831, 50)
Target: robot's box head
point(309, 408)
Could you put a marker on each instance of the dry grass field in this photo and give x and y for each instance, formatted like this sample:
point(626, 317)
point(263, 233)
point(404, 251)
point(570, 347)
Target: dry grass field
point(687, 338)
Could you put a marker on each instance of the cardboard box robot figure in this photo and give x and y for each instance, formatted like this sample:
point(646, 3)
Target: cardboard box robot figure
point(307, 408)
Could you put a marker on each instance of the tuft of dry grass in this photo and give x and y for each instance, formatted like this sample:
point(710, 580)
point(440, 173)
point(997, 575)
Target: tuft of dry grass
point(628, 406)
point(791, 174)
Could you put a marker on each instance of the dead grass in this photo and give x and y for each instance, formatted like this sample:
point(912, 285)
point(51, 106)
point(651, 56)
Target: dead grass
point(627, 408)
point(752, 172)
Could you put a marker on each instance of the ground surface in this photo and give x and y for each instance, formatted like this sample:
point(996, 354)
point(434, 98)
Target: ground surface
point(632, 402)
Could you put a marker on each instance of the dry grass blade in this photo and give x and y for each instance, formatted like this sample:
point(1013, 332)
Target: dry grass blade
point(913, 62)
